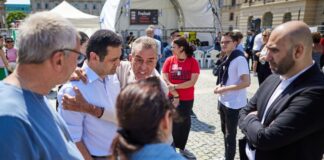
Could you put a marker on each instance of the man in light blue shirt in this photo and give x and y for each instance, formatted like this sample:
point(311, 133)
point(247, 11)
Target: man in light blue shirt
point(29, 127)
point(93, 136)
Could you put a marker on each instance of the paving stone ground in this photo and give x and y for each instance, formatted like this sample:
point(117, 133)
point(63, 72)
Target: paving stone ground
point(205, 138)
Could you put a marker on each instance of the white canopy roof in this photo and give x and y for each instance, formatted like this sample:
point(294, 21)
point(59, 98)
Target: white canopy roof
point(189, 15)
point(82, 21)
point(68, 11)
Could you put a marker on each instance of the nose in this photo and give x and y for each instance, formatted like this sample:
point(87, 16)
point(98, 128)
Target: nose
point(118, 62)
point(143, 66)
point(268, 56)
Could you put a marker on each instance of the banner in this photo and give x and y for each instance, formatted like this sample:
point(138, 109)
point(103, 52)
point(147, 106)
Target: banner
point(144, 16)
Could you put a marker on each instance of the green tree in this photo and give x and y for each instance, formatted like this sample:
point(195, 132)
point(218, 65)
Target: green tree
point(13, 16)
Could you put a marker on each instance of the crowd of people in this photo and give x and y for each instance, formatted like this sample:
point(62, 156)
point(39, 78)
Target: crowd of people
point(110, 108)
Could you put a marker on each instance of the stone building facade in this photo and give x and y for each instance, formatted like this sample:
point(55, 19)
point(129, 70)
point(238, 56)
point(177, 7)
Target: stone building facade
point(259, 14)
point(88, 6)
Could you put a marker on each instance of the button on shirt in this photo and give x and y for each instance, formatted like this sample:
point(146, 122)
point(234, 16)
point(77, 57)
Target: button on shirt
point(96, 134)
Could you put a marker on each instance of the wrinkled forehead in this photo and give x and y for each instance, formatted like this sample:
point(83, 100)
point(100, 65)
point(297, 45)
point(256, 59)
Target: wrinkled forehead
point(145, 53)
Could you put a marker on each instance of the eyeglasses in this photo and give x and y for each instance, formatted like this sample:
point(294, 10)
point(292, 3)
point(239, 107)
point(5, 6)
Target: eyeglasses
point(81, 56)
point(140, 61)
point(225, 42)
point(9, 41)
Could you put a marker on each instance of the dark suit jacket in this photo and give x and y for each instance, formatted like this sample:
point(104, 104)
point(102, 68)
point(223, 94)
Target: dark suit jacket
point(294, 126)
point(249, 43)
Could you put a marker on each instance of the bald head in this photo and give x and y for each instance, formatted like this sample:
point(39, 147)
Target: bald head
point(295, 33)
point(289, 48)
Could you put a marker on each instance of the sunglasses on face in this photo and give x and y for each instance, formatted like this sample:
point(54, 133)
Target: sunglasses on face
point(9, 41)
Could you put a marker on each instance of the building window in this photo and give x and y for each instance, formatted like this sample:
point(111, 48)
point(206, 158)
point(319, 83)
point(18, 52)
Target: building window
point(85, 6)
point(94, 7)
point(233, 2)
point(231, 17)
point(46, 6)
point(250, 23)
point(230, 28)
point(287, 17)
point(267, 20)
point(321, 29)
point(39, 6)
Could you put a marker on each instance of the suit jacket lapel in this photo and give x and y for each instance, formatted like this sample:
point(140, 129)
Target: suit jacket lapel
point(291, 88)
point(268, 91)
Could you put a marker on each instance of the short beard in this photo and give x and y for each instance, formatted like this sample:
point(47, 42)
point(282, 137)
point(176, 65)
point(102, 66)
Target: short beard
point(286, 63)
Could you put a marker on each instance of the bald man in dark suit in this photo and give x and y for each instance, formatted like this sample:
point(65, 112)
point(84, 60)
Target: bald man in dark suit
point(285, 118)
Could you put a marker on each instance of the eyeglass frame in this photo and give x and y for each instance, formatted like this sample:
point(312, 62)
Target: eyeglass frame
point(225, 42)
point(140, 61)
point(81, 56)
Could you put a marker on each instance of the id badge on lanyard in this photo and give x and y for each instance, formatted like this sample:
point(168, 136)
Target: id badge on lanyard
point(178, 72)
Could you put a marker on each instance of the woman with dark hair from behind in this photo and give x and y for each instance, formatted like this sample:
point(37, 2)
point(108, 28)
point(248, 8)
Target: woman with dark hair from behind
point(181, 72)
point(145, 117)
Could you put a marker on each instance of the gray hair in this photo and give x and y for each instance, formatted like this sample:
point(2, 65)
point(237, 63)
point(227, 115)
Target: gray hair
point(41, 34)
point(144, 42)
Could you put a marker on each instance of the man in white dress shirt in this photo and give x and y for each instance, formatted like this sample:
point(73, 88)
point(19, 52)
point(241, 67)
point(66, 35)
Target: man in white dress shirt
point(93, 136)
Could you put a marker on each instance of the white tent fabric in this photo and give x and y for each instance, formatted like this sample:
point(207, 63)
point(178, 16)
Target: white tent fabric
point(108, 15)
point(196, 14)
point(78, 18)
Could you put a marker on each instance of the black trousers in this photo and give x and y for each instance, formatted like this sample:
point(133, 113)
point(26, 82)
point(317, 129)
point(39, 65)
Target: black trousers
point(229, 120)
point(181, 128)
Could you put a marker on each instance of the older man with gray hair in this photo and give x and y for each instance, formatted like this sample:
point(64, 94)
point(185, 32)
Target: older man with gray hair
point(48, 54)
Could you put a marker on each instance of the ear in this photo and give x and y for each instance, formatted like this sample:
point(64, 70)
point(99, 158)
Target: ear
point(130, 57)
point(298, 51)
point(181, 49)
point(235, 43)
point(94, 57)
point(57, 61)
point(166, 122)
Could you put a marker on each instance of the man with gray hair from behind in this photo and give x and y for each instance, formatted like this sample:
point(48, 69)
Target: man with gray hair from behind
point(30, 128)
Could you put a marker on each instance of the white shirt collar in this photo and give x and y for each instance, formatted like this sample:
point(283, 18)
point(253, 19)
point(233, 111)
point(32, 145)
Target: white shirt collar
point(91, 75)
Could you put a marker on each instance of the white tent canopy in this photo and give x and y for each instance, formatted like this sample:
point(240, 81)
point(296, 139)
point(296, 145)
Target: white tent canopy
point(83, 21)
point(187, 15)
